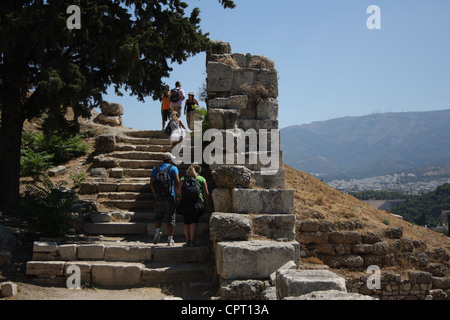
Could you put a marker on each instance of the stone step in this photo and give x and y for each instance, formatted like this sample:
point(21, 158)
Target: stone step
point(146, 134)
point(138, 155)
point(134, 228)
point(144, 141)
point(143, 148)
point(115, 228)
point(157, 274)
point(94, 187)
point(121, 274)
point(144, 164)
point(125, 196)
point(134, 216)
point(121, 252)
point(128, 204)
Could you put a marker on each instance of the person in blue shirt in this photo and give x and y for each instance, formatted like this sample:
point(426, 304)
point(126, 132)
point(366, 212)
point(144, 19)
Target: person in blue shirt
point(165, 203)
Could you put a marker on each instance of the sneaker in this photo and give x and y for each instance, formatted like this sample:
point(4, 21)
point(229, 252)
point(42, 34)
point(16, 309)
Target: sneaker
point(171, 243)
point(187, 244)
point(157, 237)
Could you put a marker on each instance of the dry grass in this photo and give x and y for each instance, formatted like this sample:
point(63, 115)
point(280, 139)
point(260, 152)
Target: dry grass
point(261, 62)
point(316, 200)
point(229, 61)
point(258, 92)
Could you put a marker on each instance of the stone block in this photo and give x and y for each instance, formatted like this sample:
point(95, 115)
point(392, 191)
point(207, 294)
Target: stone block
point(223, 118)
point(238, 102)
point(362, 248)
point(117, 275)
point(441, 283)
point(85, 270)
point(8, 289)
point(288, 266)
point(275, 226)
point(114, 121)
point(222, 199)
point(332, 295)
point(243, 76)
point(104, 162)
point(230, 226)
point(45, 247)
point(100, 216)
point(294, 283)
point(353, 261)
point(111, 109)
point(68, 252)
point(219, 77)
point(116, 173)
point(242, 290)
point(57, 171)
point(277, 180)
point(128, 253)
point(313, 237)
point(107, 187)
point(381, 248)
point(263, 201)
point(98, 172)
point(105, 143)
point(418, 277)
point(269, 79)
point(45, 269)
point(252, 259)
point(88, 188)
point(241, 59)
point(91, 251)
point(345, 237)
point(233, 177)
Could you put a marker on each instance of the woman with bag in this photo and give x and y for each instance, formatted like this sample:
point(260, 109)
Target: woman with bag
point(194, 191)
point(177, 129)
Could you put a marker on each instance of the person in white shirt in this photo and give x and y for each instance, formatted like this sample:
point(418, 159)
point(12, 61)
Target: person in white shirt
point(177, 97)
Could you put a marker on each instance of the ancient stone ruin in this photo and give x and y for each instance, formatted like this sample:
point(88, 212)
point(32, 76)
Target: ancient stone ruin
point(253, 241)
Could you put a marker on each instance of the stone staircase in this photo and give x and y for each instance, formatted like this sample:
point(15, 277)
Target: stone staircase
point(123, 196)
point(115, 249)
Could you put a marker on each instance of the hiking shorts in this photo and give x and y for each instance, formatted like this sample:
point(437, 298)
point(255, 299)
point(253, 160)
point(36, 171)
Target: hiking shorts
point(165, 210)
point(166, 115)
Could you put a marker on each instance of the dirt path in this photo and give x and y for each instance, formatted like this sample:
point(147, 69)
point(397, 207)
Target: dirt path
point(28, 291)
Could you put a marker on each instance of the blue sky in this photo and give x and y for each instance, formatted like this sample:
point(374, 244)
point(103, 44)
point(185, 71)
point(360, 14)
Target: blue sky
point(329, 63)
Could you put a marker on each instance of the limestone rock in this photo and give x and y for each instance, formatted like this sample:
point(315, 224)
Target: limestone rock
point(294, 283)
point(105, 143)
point(111, 109)
point(230, 226)
point(233, 177)
point(223, 118)
point(114, 121)
point(242, 290)
point(263, 201)
point(57, 171)
point(275, 226)
point(252, 259)
point(332, 295)
point(8, 289)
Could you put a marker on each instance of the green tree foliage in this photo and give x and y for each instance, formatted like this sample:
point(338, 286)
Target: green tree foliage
point(40, 153)
point(45, 67)
point(50, 209)
point(426, 209)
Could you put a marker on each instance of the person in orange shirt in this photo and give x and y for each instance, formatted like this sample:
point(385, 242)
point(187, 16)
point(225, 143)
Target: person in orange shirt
point(165, 107)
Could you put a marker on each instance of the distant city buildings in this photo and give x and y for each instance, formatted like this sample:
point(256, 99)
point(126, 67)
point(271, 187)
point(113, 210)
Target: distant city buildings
point(410, 184)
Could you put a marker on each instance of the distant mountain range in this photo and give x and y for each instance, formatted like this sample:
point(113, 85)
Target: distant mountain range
point(378, 144)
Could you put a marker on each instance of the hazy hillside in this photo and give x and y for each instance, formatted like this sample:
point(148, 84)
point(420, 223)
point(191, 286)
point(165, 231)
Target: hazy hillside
point(371, 145)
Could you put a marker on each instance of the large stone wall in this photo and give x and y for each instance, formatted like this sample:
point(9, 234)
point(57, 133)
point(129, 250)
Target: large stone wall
point(253, 226)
